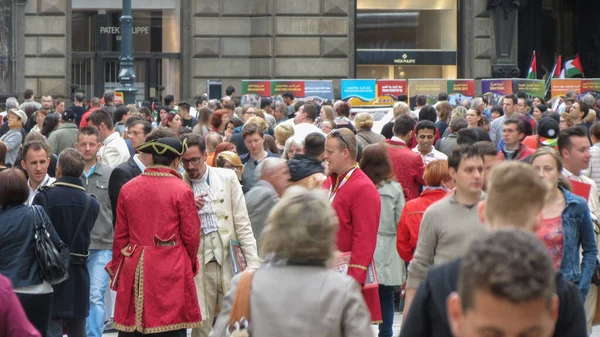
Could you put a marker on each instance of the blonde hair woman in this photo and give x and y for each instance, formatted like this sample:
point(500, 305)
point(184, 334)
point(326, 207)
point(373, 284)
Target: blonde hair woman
point(364, 123)
point(230, 160)
point(566, 227)
point(327, 114)
point(298, 242)
point(282, 133)
point(458, 112)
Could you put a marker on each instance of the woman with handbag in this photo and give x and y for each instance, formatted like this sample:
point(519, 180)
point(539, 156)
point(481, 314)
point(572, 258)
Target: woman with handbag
point(18, 261)
point(295, 292)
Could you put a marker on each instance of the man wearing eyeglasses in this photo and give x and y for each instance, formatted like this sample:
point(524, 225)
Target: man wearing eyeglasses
point(223, 217)
point(357, 204)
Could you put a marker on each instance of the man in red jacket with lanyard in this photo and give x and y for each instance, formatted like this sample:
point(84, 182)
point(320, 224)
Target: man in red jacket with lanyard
point(357, 204)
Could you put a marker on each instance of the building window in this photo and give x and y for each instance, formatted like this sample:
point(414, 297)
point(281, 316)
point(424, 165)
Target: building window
point(406, 38)
point(96, 46)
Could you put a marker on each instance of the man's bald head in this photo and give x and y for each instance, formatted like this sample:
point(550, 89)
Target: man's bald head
point(212, 140)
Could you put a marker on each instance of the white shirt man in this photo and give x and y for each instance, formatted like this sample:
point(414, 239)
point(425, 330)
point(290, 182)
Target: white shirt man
point(576, 158)
point(223, 214)
point(114, 150)
point(36, 160)
point(425, 140)
point(304, 119)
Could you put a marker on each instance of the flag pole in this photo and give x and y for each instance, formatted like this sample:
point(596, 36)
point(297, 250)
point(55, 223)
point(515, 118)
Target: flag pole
point(549, 79)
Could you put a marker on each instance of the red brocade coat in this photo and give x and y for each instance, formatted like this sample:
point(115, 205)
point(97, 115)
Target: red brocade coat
point(358, 206)
point(157, 236)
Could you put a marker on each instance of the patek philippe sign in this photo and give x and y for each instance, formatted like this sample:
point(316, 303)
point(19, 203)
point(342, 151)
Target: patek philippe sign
point(405, 57)
point(115, 30)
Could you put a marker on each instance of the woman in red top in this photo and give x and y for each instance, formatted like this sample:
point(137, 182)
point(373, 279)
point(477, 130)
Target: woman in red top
point(438, 181)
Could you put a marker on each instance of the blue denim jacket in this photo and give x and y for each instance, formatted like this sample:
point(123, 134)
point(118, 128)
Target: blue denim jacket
point(579, 233)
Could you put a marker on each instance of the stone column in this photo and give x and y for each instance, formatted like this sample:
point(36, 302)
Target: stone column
point(482, 55)
point(45, 63)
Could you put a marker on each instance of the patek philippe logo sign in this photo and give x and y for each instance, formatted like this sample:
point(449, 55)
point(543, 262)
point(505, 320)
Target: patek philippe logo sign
point(405, 60)
point(405, 57)
point(114, 30)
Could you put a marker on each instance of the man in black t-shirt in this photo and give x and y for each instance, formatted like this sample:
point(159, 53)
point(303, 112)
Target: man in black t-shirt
point(187, 121)
point(78, 107)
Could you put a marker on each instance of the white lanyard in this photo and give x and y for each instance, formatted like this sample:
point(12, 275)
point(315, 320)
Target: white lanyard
point(333, 194)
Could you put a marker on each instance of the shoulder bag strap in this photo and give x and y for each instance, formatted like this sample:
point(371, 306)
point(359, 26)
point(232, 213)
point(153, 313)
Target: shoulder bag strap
point(241, 302)
point(85, 210)
point(38, 222)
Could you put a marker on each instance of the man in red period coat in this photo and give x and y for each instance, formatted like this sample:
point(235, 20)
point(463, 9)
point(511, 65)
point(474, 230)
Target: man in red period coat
point(408, 165)
point(157, 236)
point(357, 204)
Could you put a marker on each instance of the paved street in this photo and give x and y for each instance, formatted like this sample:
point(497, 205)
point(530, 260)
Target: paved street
point(397, 322)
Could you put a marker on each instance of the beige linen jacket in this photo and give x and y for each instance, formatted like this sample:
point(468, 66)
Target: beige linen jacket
point(234, 224)
point(305, 301)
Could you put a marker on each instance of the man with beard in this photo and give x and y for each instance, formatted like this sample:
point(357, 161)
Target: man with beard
point(222, 212)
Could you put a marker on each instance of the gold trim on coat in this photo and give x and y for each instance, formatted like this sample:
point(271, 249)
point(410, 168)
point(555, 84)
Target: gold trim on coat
point(357, 266)
point(139, 308)
point(159, 329)
point(139, 290)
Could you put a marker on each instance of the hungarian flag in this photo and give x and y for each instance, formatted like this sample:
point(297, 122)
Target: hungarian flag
point(573, 67)
point(532, 74)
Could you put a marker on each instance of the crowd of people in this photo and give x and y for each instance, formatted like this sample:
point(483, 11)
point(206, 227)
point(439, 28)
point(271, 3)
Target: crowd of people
point(473, 220)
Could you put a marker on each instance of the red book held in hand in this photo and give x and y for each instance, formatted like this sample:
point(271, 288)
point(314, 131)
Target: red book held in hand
point(341, 265)
point(581, 189)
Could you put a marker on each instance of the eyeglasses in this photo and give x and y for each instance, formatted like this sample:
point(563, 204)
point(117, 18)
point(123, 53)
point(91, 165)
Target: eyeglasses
point(336, 133)
point(194, 161)
point(232, 167)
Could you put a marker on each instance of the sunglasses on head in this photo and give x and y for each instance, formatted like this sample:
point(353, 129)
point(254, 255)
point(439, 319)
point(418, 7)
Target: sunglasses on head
point(336, 133)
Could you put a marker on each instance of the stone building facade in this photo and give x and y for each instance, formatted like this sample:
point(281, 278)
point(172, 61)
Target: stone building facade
point(268, 39)
point(226, 40)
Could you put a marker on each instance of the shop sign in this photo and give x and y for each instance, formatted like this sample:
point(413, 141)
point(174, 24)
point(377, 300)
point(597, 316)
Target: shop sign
point(116, 30)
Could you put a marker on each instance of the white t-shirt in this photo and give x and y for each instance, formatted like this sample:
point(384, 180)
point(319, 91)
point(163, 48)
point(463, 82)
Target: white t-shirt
point(304, 129)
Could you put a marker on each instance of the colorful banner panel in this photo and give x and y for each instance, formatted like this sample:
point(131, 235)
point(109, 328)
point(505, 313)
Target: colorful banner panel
point(460, 90)
point(533, 88)
point(259, 88)
point(373, 92)
point(560, 86)
point(431, 88)
point(496, 89)
point(590, 85)
point(392, 88)
point(280, 87)
point(365, 90)
point(318, 91)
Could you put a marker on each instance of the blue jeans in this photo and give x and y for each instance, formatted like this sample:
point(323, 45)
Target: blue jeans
point(386, 300)
point(97, 260)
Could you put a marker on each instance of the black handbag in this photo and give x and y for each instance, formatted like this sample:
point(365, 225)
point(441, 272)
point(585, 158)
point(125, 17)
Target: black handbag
point(53, 264)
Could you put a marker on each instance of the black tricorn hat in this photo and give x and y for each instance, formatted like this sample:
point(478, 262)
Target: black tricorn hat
point(168, 146)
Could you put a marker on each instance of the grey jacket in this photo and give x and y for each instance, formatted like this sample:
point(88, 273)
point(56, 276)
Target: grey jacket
point(62, 138)
point(369, 137)
point(331, 304)
point(97, 184)
point(259, 201)
point(447, 144)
